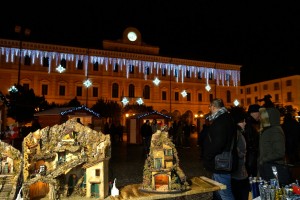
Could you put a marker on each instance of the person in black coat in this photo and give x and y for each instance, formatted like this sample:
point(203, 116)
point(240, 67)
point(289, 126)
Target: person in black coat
point(221, 133)
point(146, 132)
point(291, 128)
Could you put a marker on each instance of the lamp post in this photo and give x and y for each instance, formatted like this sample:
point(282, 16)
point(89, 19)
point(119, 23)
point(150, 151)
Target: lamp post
point(18, 29)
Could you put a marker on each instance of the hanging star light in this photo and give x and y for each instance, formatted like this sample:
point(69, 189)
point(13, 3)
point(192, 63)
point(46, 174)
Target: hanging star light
point(140, 101)
point(156, 81)
point(236, 102)
point(125, 101)
point(183, 93)
point(60, 69)
point(207, 87)
point(13, 89)
point(87, 83)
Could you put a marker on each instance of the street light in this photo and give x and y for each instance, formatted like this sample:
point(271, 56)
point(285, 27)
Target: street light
point(18, 29)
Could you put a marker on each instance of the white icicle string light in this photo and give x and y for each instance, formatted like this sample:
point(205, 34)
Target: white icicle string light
point(174, 69)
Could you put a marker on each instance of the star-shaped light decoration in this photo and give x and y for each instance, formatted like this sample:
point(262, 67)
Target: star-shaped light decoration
point(87, 83)
point(183, 93)
point(236, 102)
point(125, 101)
point(207, 87)
point(13, 89)
point(140, 101)
point(60, 69)
point(156, 81)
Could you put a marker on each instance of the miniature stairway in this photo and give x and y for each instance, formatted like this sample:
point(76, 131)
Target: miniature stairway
point(6, 186)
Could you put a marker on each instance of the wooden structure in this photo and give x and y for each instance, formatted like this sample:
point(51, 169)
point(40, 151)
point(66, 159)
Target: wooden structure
point(201, 187)
point(60, 115)
point(134, 124)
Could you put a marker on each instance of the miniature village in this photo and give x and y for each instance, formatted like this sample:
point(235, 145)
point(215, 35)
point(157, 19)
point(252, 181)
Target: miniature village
point(162, 173)
point(57, 162)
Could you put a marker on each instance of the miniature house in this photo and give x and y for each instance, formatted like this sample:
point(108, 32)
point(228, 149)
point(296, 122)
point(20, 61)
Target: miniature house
point(162, 173)
point(10, 170)
point(64, 160)
point(135, 123)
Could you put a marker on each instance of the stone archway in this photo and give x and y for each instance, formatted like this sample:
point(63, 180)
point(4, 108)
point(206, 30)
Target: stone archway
point(161, 182)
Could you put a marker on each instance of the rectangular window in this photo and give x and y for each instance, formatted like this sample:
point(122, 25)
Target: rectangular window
point(199, 75)
point(131, 69)
point(116, 67)
point(188, 74)
point(97, 172)
point(289, 83)
point(147, 70)
point(168, 152)
point(45, 61)
point(62, 90)
point(188, 96)
point(27, 60)
point(176, 96)
point(79, 91)
point(96, 66)
point(164, 95)
point(276, 86)
point(80, 65)
point(210, 75)
point(248, 90)
point(157, 163)
point(255, 88)
point(200, 97)
point(242, 91)
point(95, 92)
point(164, 72)
point(44, 89)
point(211, 97)
point(176, 73)
point(265, 87)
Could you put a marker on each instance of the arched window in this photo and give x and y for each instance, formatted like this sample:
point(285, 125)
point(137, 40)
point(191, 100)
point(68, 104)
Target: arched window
point(131, 90)
point(115, 90)
point(146, 92)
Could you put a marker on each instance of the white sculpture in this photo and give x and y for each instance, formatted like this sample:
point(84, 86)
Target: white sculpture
point(114, 190)
point(19, 195)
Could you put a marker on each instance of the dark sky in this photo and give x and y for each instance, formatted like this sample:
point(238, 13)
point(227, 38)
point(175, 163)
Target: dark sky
point(262, 37)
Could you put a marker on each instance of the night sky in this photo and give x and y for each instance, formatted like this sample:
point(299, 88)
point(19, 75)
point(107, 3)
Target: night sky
point(262, 37)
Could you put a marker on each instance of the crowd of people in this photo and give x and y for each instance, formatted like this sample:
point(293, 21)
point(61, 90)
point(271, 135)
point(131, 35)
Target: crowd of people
point(260, 140)
point(260, 137)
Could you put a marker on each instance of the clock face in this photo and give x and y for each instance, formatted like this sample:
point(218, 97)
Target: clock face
point(132, 36)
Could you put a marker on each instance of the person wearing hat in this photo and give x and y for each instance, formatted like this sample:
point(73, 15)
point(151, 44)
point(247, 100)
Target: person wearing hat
point(251, 135)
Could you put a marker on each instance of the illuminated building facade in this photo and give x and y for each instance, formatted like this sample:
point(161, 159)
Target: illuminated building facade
point(123, 68)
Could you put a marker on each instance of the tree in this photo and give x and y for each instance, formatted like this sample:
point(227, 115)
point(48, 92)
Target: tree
point(107, 108)
point(22, 103)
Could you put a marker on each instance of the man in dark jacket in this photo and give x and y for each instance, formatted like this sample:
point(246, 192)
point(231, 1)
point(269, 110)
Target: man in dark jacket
point(221, 133)
point(146, 132)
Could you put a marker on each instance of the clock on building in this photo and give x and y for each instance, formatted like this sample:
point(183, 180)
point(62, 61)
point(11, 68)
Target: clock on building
point(131, 36)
